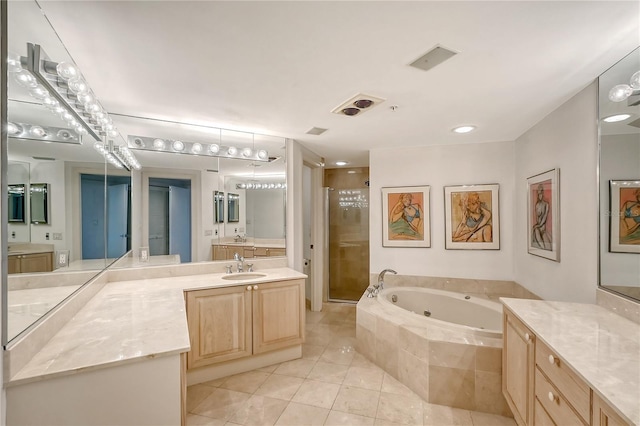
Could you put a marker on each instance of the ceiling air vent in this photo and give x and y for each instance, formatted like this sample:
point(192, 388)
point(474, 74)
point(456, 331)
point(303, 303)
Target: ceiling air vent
point(434, 57)
point(357, 104)
point(316, 131)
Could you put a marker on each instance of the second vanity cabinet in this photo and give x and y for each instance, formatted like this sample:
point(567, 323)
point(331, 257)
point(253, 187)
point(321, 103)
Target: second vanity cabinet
point(541, 389)
point(33, 262)
point(229, 323)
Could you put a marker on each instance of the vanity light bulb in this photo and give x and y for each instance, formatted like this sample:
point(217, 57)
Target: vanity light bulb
point(66, 116)
point(37, 131)
point(49, 102)
point(13, 128)
point(263, 155)
point(214, 148)
point(635, 81)
point(196, 148)
point(113, 133)
point(67, 70)
point(81, 130)
point(13, 63)
point(25, 79)
point(232, 150)
point(92, 107)
point(85, 98)
point(78, 85)
point(39, 92)
point(177, 145)
point(620, 92)
point(247, 152)
point(158, 144)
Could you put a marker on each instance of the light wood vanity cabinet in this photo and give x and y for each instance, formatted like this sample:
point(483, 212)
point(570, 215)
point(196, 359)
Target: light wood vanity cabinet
point(235, 322)
point(543, 390)
point(34, 262)
point(518, 368)
point(226, 252)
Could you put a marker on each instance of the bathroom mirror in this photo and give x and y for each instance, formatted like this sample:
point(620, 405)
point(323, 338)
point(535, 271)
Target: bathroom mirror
point(16, 203)
point(39, 202)
point(619, 186)
point(218, 206)
point(233, 207)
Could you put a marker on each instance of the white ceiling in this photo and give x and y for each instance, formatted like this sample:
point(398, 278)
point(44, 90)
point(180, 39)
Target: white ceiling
point(280, 68)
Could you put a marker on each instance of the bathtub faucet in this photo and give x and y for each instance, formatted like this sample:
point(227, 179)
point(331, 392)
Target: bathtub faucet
point(380, 285)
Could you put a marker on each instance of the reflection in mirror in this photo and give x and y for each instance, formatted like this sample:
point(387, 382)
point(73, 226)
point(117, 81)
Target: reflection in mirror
point(218, 206)
point(39, 201)
point(233, 207)
point(619, 113)
point(16, 203)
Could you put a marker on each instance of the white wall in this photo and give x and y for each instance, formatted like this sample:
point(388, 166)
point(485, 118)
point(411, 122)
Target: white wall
point(440, 166)
point(567, 139)
point(53, 173)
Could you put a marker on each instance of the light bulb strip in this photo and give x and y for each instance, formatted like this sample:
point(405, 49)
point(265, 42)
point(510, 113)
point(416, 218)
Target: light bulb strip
point(262, 185)
point(51, 134)
point(181, 147)
point(34, 60)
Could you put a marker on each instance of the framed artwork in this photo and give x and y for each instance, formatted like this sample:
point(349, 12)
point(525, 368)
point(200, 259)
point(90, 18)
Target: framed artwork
point(543, 215)
point(472, 217)
point(625, 216)
point(405, 216)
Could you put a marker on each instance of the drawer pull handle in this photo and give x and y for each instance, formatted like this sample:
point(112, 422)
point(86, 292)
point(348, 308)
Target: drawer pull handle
point(552, 397)
point(552, 359)
point(527, 337)
point(249, 287)
point(255, 287)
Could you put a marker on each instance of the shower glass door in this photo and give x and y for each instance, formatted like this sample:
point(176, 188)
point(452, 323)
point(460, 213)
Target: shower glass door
point(348, 243)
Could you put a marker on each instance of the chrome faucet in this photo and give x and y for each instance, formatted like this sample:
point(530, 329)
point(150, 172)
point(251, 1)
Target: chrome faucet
point(240, 261)
point(380, 285)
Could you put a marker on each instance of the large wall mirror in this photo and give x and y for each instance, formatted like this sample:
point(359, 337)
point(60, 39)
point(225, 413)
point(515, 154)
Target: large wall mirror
point(98, 212)
point(619, 188)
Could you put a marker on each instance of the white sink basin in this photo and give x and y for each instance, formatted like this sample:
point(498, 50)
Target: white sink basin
point(243, 276)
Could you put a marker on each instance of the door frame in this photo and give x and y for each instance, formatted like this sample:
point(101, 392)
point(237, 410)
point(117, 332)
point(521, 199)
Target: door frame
point(143, 223)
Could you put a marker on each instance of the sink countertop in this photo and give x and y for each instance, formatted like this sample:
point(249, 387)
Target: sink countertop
point(14, 249)
point(128, 321)
point(602, 348)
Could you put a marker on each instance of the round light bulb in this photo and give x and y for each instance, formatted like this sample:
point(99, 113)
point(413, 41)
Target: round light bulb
point(67, 70)
point(39, 92)
point(263, 155)
point(13, 128)
point(25, 79)
point(50, 102)
point(232, 150)
point(81, 130)
point(635, 81)
point(620, 92)
point(66, 116)
point(78, 85)
point(196, 148)
point(86, 97)
point(92, 107)
point(214, 148)
point(37, 131)
point(158, 144)
point(113, 133)
point(247, 152)
point(177, 145)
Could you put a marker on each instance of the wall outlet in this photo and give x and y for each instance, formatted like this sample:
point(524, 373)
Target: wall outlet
point(62, 258)
point(57, 235)
point(207, 232)
point(144, 254)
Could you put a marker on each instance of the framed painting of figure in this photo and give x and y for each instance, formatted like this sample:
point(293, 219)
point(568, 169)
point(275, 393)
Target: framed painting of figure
point(624, 229)
point(405, 216)
point(472, 217)
point(543, 215)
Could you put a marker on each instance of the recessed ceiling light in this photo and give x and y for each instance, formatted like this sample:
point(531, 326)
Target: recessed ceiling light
point(616, 118)
point(464, 129)
point(341, 163)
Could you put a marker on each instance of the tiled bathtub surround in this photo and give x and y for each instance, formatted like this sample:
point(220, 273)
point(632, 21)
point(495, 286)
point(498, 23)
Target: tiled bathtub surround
point(491, 289)
point(443, 365)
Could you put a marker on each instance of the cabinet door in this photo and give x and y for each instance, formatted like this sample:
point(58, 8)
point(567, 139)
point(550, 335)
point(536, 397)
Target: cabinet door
point(518, 369)
point(219, 252)
point(278, 315)
point(13, 264)
point(37, 262)
point(219, 325)
point(603, 415)
point(276, 252)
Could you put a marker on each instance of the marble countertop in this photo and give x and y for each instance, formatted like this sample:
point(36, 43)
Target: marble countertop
point(127, 321)
point(603, 348)
point(14, 249)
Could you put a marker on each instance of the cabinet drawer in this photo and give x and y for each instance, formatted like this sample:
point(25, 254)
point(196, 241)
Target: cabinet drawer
point(565, 380)
point(554, 403)
point(541, 417)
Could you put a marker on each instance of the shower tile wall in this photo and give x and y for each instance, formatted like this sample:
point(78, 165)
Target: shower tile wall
point(348, 232)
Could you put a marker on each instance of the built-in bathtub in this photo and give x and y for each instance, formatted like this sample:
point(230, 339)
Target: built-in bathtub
point(451, 357)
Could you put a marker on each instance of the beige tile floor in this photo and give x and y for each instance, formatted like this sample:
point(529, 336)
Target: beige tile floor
point(331, 384)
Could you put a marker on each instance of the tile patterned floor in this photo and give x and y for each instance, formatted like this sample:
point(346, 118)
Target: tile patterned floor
point(331, 384)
